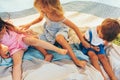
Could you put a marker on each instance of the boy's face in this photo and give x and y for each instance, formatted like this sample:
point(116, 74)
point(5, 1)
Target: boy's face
point(99, 32)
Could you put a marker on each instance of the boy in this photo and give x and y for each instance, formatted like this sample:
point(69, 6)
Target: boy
point(98, 37)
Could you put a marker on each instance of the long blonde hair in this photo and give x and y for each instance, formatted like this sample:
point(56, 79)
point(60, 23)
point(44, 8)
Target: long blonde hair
point(53, 5)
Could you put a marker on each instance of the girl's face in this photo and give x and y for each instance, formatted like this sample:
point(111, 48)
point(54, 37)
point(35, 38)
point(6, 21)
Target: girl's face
point(44, 9)
point(2, 32)
point(99, 32)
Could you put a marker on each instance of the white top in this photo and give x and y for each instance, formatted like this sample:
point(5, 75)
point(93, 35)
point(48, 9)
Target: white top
point(95, 38)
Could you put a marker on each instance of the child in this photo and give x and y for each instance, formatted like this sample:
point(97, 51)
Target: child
point(56, 26)
point(98, 37)
point(17, 42)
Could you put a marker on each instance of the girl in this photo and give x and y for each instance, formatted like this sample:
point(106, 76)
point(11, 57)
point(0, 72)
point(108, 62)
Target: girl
point(17, 42)
point(56, 26)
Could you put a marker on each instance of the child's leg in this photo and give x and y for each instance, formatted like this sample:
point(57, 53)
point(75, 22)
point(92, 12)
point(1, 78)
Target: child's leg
point(37, 42)
point(94, 61)
point(107, 66)
point(61, 40)
point(48, 57)
point(17, 65)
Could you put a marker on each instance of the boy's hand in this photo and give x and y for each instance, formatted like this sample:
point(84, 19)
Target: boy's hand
point(96, 48)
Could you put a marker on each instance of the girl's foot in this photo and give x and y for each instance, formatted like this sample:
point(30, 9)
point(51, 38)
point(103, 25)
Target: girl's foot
point(81, 63)
point(114, 78)
point(63, 51)
point(48, 57)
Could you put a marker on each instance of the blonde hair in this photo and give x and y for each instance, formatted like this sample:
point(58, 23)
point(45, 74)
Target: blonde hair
point(53, 5)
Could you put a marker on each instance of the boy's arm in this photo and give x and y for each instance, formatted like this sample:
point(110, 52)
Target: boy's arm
point(96, 48)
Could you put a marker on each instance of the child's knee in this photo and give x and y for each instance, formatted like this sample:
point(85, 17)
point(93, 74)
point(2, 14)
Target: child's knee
point(102, 58)
point(94, 58)
point(59, 37)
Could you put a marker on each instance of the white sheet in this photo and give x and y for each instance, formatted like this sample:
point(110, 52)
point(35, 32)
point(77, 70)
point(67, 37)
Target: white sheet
point(65, 69)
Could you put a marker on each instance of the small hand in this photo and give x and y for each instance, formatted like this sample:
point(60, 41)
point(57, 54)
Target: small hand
point(4, 51)
point(4, 55)
point(24, 27)
point(30, 32)
point(96, 48)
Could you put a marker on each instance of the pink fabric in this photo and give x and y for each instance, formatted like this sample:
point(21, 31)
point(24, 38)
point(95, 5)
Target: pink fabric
point(14, 41)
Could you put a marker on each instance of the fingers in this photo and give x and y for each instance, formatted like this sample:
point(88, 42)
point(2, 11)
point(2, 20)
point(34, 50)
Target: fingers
point(5, 56)
point(96, 48)
point(23, 27)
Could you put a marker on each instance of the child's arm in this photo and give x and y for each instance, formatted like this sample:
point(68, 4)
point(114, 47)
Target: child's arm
point(18, 30)
point(78, 32)
point(96, 48)
point(26, 26)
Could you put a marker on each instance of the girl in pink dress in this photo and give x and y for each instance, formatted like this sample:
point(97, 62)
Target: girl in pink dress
point(17, 42)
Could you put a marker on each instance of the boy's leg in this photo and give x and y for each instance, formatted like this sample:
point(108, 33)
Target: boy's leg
point(61, 40)
point(48, 57)
point(37, 42)
point(17, 65)
point(95, 61)
point(107, 66)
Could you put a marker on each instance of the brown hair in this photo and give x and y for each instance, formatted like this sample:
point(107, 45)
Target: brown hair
point(110, 29)
point(53, 5)
point(4, 24)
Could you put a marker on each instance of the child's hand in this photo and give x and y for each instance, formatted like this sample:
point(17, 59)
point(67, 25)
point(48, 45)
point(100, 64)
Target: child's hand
point(30, 32)
point(24, 27)
point(4, 55)
point(4, 51)
point(96, 48)
point(26, 31)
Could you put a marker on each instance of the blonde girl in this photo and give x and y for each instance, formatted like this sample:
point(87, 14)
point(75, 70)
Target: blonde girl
point(56, 27)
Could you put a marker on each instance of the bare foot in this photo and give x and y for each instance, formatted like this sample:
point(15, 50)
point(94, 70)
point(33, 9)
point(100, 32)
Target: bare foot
point(105, 78)
point(63, 51)
point(81, 63)
point(48, 57)
point(114, 78)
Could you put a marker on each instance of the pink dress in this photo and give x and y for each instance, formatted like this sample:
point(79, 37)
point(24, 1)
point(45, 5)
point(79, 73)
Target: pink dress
point(14, 41)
